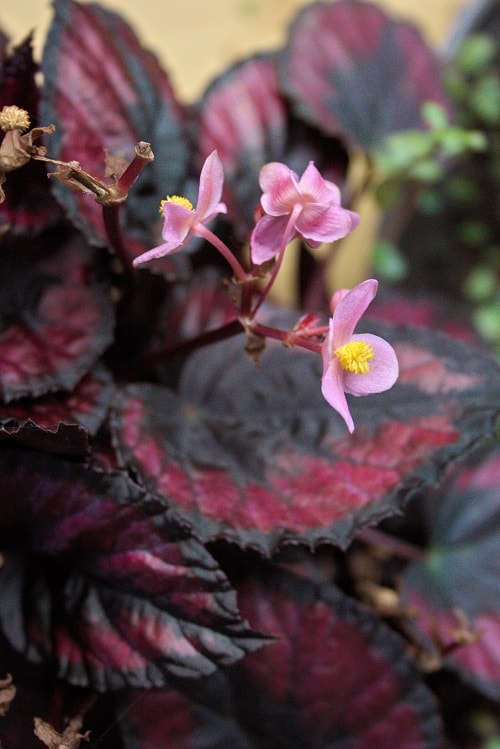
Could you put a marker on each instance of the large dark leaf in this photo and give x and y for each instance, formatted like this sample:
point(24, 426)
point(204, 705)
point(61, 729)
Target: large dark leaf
point(97, 580)
point(59, 423)
point(104, 92)
point(29, 205)
point(336, 678)
point(244, 116)
point(350, 69)
point(461, 571)
point(257, 456)
point(56, 315)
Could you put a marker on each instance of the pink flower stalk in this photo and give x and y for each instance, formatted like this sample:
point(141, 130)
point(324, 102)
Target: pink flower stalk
point(182, 221)
point(359, 364)
point(308, 207)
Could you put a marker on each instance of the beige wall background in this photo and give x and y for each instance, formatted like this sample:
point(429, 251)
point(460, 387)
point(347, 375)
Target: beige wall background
point(196, 39)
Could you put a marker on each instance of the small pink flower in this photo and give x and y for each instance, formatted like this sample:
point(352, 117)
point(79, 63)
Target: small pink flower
point(308, 207)
point(360, 364)
point(182, 221)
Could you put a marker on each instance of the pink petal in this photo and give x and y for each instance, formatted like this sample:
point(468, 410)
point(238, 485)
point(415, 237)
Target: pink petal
point(267, 238)
point(279, 185)
point(211, 184)
point(156, 253)
point(178, 220)
point(384, 368)
point(332, 387)
point(318, 190)
point(349, 310)
point(325, 225)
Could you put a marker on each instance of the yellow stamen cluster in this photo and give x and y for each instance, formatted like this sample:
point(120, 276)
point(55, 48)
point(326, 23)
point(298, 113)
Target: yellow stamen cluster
point(176, 199)
point(355, 356)
point(14, 118)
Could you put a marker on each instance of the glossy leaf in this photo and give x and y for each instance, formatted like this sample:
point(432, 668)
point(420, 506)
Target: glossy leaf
point(110, 590)
point(104, 92)
point(256, 456)
point(350, 69)
point(59, 423)
point(56, 316)
point(244, 116)
point(336, 677)
point(460, 573)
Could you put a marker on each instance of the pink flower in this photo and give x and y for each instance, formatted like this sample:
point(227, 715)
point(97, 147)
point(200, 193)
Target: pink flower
point(182, 221)
point(359, 364)
point(308, 207)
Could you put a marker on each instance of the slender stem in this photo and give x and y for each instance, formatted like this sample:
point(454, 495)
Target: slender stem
point(399, 548)
point(285, 336)
point(110, 214)
point(202, 231)
point(185, 347)
point(143, 156)
point(287, 237)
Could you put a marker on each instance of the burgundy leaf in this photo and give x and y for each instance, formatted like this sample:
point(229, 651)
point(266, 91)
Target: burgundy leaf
point(459, 577)
point(101, 583)
point(59, 423)
point(56, 316)
point(244, 116)
point(425, 311)
point(256, 456)
point(350, 69)
point(105, 93)
point(29, 205)
point(335, 678)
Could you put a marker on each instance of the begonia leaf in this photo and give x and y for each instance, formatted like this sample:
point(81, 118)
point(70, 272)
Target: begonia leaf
point(61, 422)
point(56, 315)
point(351, 69)
point(97, 581)
point(244, 116)
point(29, 205)
point(459, 576)
point(335, 678)
point(256, 456)
point(427, 311)
point(104, 92)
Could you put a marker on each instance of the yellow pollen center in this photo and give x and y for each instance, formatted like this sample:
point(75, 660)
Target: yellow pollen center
point(355, 356)
point(179, 199)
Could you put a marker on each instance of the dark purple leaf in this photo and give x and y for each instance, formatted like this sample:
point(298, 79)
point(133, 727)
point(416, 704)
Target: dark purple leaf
point(97, 580)
point(336, 678)
point(460, 574)
point(59, 423)
point(256, 456)
point(29, 205)
point(56, 315)
point(424, 311)
point(244, 116)
point(351, 70)
point(104, 92)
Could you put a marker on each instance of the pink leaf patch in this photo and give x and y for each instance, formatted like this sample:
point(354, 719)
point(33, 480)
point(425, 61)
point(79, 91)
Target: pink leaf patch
point(111, 589)
point(352, 70)
point(256, 457)
point(105, 93)
point(335, 677)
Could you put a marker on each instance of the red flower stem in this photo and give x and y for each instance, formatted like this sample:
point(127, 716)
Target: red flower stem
point(239, 272)
point(110, 214)
point(399, 548)
point(143, 156)
point(289, 338)
point(287, 237)
point(186, 347)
